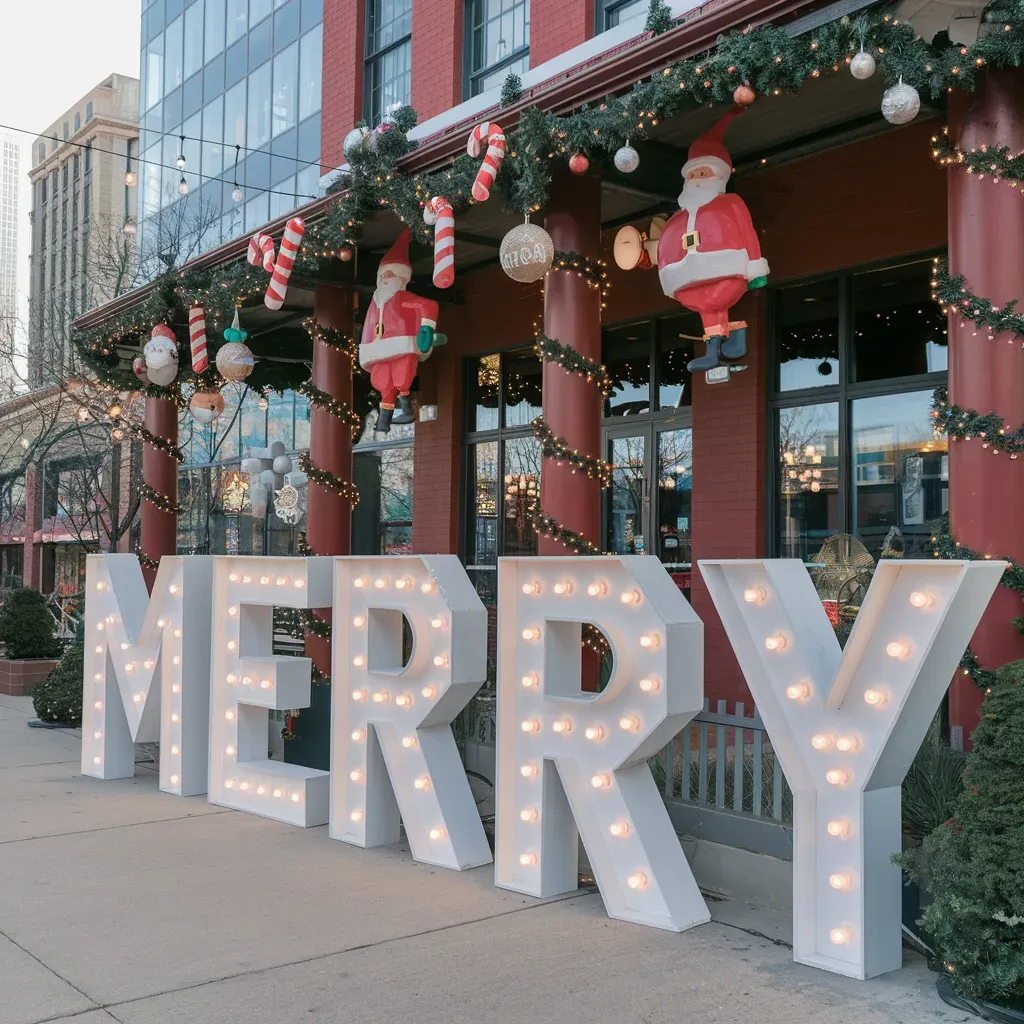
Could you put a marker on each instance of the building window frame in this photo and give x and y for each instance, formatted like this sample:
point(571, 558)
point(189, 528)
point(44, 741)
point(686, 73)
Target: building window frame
point(374, 58)
point(473, 14)
point(606, 10)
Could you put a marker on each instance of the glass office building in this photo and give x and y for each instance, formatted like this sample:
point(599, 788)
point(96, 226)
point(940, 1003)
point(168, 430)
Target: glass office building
point(233, 87)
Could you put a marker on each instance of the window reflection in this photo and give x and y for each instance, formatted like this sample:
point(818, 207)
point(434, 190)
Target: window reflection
point(521, 388)
point(676, 339)
point(675, 494)
point(808, 335)
point(627, 355)
point(483, 539)
point(626, 496)
point(521, 479)
point(382, 521)
point(484, 386)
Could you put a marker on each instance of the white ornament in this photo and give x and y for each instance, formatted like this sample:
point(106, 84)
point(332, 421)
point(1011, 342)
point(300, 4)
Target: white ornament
point(354, 142)
point(627, 159)
point(845, 724)
point(597, 743)
point(160, 353)
point(164, 375)
point(234, 361)
point(287, 507)
point(527, 252)
point(900, 103)
point(282, 465)
point(862, 66)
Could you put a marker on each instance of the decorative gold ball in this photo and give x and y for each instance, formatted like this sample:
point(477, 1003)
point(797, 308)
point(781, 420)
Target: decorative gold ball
point(235, 360)
point(526, 253)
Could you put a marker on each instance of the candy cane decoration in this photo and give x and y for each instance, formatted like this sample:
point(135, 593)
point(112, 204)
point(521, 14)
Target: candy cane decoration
point(495, 138)
point(261, 251)
point(197, 339)
point(439, 213)
point(278, 287)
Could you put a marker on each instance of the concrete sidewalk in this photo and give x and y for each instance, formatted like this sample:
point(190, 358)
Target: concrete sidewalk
point(118, 902)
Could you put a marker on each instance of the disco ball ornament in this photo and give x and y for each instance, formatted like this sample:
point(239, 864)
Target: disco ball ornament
point(235, 360)
point(900, 103)
point(345, 254)
point(354, 142)
point(862, 66)
point(743, 95)
point(206, 405)
point(627, 159)
point(526, 253)
point(578, 163)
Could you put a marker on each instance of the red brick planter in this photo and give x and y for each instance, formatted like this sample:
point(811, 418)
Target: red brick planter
point(19, 675)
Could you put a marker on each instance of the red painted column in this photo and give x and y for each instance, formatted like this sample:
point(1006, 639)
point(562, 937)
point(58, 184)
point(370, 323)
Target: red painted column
point(986, 492)
point(572, 407)
point(32, 567)
point(159, 471)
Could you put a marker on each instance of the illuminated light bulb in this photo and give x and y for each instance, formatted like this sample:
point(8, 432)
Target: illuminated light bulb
point(650, 640)
point(531, 633)
point(175, 750)
point(175, 687)
point(266, 684)
point(919, 599)
point(174, 780)
point(437, 833)
point(130, 667)
point(138, 697)
point(837, 776)
point(98, 677)
point(437, 623)
point(897, 649)
point(124, 647)
point(840, 881)
point(562, 725)
point(528, 860)
point(358, 735)
point(619, 828)
point(409, 742)
point(531, 588)
point(296, 797)
point(598, 589)
point(530, 725)
point(174, 588)
point(381, 697)
point(233, 577)
point(563, 587)
point(440, 660)
point(98, 650)
point(775, 642)
point(283, 581)
point(529, 770)
point(403, 583)
point(356, 775)
point(233, 610)
point(359, 582)
point(359, 660)
point(529, 814)
point(822, 741)
point(629, 722)
point(359, 694)
point(232, 645)
point(229, 715)
point(264, 580)
point(148, 663)
point(423, 782)
point(176, 660)
point(649, 684)
point(755, 595)
point(637, 881)
point(99, 627)
point(427, 587)
point(359, 621)
point(840, 936)
point(101, 586)
point(299, 584)
point(798, 691)
point(530, 679)
point(229, 784)
point(229, 750)
point(594, 732)
point(630, 597)
point(244, 786)
point(109, 620)
point(381, 582)
point(429, 692)
point(404, 700)
point(160, 623)
point(847, 744)
point(601, 781)
point(97, 760)
point(98, 705)
point(876, 698)
point(232, 678)
point(260, 790)
point(97, 735)
point(177, 634)
point(175, 717)
point(247, 579)
point(356, 816)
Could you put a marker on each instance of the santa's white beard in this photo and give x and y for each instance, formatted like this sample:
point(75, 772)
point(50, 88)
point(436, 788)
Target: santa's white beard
point(699, 192)
point(387, 290)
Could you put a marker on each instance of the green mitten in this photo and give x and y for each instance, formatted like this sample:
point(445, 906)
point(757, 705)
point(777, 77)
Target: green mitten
point(758, 282)
point(425, 338)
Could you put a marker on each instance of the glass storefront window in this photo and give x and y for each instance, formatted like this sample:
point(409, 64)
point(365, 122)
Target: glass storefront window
point(675, 499)
point(213, 132)
point(484, 384)
point(193, 41)
point(214, 39)
point(677, 337)
point(521, 388)
point(627, 356)
point(627, 496)
point(173, 64)
point(259, 106)
point(237, 19)
point(310, 72)
point(807, 335)
point(521, 479)
point(382, 521)
point(285, 102)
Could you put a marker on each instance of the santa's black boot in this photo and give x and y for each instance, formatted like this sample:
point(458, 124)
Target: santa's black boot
point(735, 346)
point(405, 413)
point(709, 360)
point(384, 420)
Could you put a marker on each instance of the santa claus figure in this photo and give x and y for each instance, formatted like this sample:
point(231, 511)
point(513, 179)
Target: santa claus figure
point(709, 253)
point(398, 332)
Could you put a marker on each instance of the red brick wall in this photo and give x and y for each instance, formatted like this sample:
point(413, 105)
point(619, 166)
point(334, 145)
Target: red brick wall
point(344, 26)
point(558, 25)
point(436, 56)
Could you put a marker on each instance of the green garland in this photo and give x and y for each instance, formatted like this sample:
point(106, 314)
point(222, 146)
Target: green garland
point(994, 161)
point(164, 502)
point(337, 408)
point(949, 291)
point(328, 481)
point(966, 424)
point(552, 351)
point(160, 443)
point(333, 338)
point(547, 526)
point(145, 561)
point(554, 447)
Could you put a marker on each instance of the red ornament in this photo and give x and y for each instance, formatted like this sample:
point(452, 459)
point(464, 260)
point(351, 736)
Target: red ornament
point(744, 95)
point(578, 163)
point(345, 254)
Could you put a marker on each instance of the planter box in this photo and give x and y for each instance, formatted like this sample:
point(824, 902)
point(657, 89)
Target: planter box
point(19, 675)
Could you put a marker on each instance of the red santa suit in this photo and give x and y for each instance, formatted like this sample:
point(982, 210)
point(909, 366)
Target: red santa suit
point(709, 250)
point(388, 346)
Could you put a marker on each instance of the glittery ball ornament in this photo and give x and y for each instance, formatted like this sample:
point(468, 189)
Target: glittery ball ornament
point(743, 95)
point(345, 254)
point(235, 360)
point(354, 142)
point(862, 66)
point(627, 159)
point(526, 252)
point(900, 103)
point(578, 163)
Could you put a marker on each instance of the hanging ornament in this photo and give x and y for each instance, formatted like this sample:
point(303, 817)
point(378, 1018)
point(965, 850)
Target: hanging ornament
point(261, 251)
point(139, 369)
point(526, 252)
point(863, 65)
point(825, 368)
point(235, 332)
point(206, 405)
point(354, 142)
point(495, 139)
point(345, 254)
point(287, 507)
point(900, 103)
point(235, 360)
point(744, 95)
point(197, 339)
point(290, 245)
point(578, 163)
point(161, 354)
point(439, 213)
point(627, 159)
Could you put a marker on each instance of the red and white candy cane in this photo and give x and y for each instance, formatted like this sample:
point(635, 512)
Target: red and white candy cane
point(261, 251)
point(495, 139)
point(278, 287)
point(439, 213)
point(197, 339)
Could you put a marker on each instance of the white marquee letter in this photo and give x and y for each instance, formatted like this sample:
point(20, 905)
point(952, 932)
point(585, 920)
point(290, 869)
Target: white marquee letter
point(846, 724)
point(599, 743)
point(394, 723)
point(147, 668)
point(248, 681)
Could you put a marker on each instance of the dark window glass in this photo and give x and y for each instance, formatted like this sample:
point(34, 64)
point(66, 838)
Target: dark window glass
point(521, 480)
point(677, 337)
point(309, 140)
point(312, 13)
point(66, 131)
point(483, 385)
point(259, 44)
point(213, 76)
point(625, 12)
point(78, 121)
point(898, 330)
point(257, 170)
point(172, 110)
point(675, 498)
point(382, 522)
point(627, 355)
point(235, 64)
point(76, 164)
point(286, 24)
point(498, 36)
point(483, 542)
point(192, 96)
point(807, 329)
point(282, 162)
point(388, 56)
point(521, 388)
point(88, 112)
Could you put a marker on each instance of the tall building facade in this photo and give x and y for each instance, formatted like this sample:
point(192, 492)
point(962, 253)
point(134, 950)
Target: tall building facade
point(9, 162)
point(83, 250)
point(232, 87)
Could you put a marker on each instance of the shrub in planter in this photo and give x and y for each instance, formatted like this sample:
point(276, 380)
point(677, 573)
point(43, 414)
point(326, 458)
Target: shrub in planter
point(972, 865)
point(27, 627)
point(59, 697)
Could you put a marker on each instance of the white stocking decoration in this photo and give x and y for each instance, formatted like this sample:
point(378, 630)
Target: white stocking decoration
point(569, 759)
point(248, 681)
point(392, 749)
point(147, 668)
point(846, 725)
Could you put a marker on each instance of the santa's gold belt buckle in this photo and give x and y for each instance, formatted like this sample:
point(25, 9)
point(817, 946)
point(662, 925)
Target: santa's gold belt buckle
point(378, 331)
point(691, 240)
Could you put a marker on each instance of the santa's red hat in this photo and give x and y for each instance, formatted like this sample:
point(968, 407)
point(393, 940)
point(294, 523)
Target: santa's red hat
point(708, 150)
point(396, 259)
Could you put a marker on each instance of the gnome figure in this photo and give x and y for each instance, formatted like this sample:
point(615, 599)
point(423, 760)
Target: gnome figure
point(709, 253)
point(398, 332)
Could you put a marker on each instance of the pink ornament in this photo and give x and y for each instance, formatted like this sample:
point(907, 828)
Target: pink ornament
point(744, 95)
point(139, 367)
point(578, 163)
point(345, 254)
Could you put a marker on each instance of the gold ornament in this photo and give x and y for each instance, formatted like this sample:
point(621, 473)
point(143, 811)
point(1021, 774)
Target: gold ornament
point(527, 252)
point(235, 360)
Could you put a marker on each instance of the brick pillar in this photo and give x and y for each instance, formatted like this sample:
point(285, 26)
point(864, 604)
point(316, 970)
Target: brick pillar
point(159, 471)
point(436, 56)
point(344, 28)
point(986, 224)
point(557, 26)
point(32, 575)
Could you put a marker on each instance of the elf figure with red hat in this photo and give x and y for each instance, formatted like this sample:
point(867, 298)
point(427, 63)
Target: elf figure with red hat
point(398, 332)
point(709, 253)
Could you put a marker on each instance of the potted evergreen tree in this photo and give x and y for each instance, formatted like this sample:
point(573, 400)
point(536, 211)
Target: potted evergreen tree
point(28, 638)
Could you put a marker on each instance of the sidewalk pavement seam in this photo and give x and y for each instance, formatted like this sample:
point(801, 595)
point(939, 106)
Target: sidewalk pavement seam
point(56, 974)
point(39, 764)
point(109, 828)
